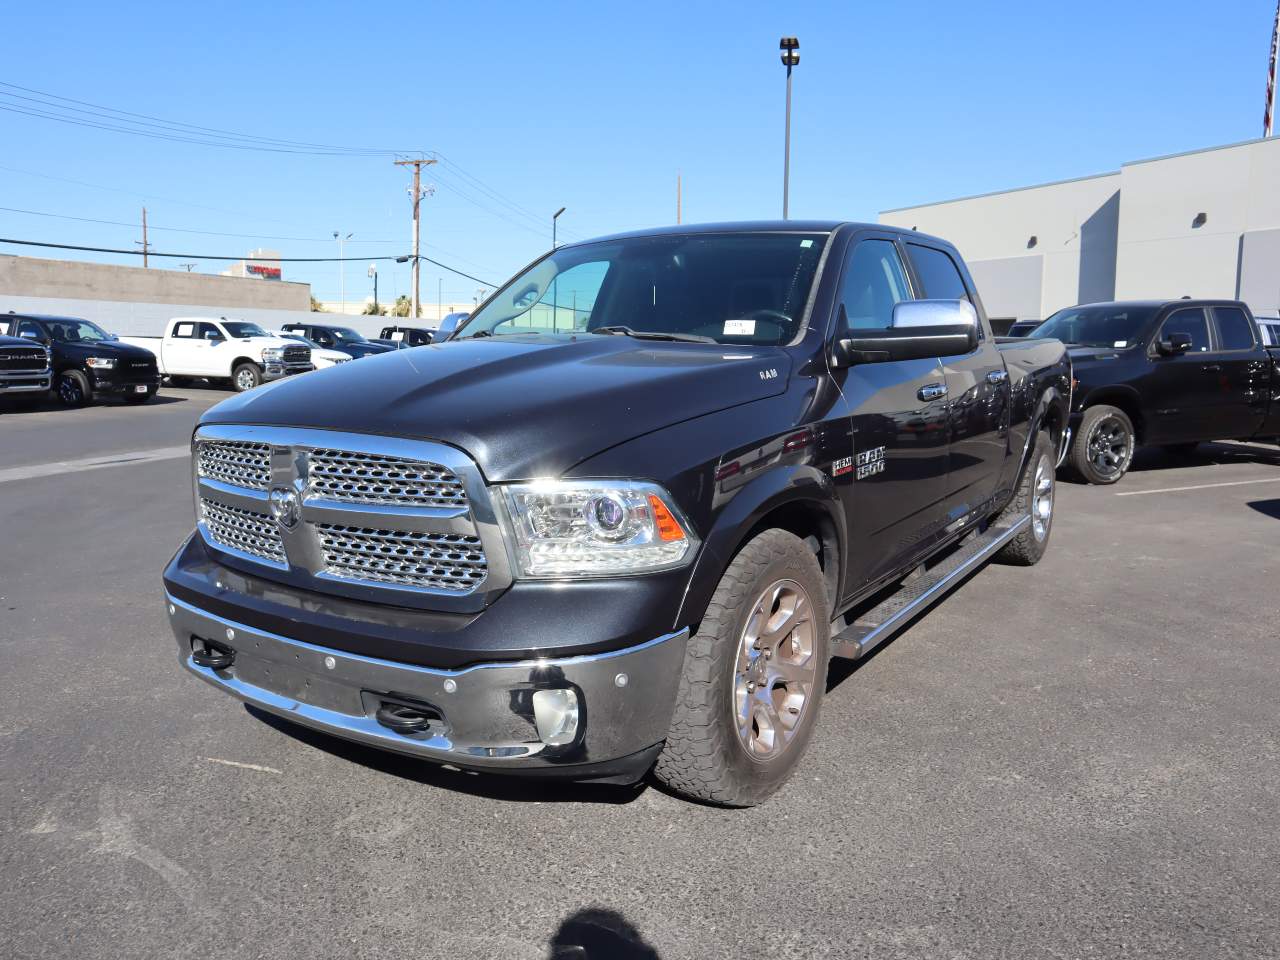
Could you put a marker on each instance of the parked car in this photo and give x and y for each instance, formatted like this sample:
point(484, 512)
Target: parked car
point(594, 552)
point(320, 357)
point(221, 349)
point(1022, 328)
point(449, 324)
point(1269, 327)
point(344, 339)
point(87, 361)
point(25, 367)
point(1164, 373)
point(398, 338)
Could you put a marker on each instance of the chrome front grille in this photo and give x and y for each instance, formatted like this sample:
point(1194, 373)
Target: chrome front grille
point(371, 478)
point(243, 530)
point(297, 354)
point(236, 462)
point(23, 359)
point(413, 559)
point(350, 513)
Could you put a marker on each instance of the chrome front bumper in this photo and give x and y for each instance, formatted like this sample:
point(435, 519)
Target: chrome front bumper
point(25, 381)
point(625, 697)
point(276, 370)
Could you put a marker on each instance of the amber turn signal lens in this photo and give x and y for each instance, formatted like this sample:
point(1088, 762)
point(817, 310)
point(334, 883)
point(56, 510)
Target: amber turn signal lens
point(668, 528)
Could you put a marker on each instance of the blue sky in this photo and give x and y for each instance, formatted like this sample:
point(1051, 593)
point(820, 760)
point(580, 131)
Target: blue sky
point(594, 107)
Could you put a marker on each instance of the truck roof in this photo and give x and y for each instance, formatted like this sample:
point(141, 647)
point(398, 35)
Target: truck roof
point(756, 226)
point(52, 317)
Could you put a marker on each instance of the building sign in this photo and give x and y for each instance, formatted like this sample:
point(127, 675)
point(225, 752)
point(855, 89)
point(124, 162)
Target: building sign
point(262, 270)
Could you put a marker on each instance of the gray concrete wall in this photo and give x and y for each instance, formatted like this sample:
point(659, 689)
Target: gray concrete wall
point(1010, 287)
point(63, 279)
point(1260, 271)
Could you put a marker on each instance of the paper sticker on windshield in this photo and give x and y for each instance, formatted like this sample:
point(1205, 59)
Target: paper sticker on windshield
point(806, 244)
point(739, 328)
point(1120, 344)
point(398, 335)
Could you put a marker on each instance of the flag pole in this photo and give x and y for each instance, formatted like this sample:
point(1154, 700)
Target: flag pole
point(1269, 116)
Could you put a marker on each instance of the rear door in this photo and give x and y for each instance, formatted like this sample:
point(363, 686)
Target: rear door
point(977, 392)
point(181, 351)
point(1240, 371)
point(892, 486)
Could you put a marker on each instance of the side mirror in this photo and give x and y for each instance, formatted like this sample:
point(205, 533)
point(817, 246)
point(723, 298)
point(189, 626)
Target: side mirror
point(921, 329)
point(213, 336)
point(1175, 344)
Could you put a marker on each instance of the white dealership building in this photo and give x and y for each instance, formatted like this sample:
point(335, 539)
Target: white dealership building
point(1199, 224)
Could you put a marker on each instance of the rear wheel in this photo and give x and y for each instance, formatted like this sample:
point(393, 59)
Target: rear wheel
point(754, 676)
point(1035, 500)
point(246, 377)
point(1103, 447)
point(73, 389)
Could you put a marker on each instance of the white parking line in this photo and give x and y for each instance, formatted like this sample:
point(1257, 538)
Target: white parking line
point(1198, 486)
point(37, 470)
point(243, 766)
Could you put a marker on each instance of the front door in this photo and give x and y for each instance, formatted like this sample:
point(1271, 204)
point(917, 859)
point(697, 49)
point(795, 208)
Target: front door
point(893, 485)
point(1180, 388)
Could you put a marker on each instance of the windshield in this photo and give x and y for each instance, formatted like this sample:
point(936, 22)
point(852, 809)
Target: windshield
point(743, 288)
point(240, 328)
point(71, 330)
point(1116, 325)
point(346, 335)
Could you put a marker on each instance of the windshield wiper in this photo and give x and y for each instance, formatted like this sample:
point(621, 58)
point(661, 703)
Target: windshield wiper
point(625, 331)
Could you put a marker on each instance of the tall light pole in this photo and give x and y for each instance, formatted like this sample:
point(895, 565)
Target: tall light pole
point(373, 272)
point(554, 217)
point(790, 48)
point(555, 284)
point(342, 269)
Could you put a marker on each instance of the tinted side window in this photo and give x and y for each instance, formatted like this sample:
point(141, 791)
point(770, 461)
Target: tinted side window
point(1234, 330)
point(209, 328)
point(29, 328)
point(873, 282)
point(1192, 322)
point(938, 273)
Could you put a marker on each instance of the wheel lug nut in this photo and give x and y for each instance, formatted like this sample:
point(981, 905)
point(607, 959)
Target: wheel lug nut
point(751, 686)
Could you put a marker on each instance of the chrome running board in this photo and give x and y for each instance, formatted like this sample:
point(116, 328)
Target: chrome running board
point(879, 623)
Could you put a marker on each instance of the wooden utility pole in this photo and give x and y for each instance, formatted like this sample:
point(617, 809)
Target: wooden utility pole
point(417, 200)
point(145, 248)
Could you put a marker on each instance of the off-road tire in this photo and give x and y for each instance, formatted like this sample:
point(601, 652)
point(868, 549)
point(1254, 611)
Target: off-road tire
point(1080, 450)
point(703, 758)
point(1028, 547)
point(72, 389)
point(243, 374)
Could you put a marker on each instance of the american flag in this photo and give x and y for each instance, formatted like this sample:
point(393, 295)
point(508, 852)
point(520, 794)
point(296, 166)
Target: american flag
point(1268, 118)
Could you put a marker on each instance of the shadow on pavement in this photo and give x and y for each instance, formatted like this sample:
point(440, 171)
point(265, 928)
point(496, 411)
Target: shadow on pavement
point(494, 786)
point(1156, 458)
point(20, 405)
point(1268, 508)
point(597, 934)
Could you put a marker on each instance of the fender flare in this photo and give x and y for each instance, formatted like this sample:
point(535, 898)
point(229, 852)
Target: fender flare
point(778, 487)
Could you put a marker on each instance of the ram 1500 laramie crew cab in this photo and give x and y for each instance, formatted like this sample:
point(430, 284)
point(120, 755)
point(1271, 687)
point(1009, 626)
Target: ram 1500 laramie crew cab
point(1167, 373)
point(622, 519)
point(24, 367)
point(220, 349)
point(87, 361)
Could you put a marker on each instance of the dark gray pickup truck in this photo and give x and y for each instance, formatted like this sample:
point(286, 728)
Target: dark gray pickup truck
point(623, 518)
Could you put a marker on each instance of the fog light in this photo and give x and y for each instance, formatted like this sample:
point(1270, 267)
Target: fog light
point(556, 714)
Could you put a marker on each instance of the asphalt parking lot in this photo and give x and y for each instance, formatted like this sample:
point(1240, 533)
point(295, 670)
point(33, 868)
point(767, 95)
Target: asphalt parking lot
point(1073, 760)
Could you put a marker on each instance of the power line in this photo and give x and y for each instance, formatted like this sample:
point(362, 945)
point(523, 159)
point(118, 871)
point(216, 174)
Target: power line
point(201, 256)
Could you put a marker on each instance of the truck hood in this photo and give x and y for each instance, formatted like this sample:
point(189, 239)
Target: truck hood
point(103, 348)
point(521, 407)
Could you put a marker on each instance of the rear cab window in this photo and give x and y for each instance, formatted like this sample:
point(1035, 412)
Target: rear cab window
point(1235, 332)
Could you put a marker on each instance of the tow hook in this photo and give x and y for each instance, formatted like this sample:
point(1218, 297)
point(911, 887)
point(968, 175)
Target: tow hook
point(406, 717)
point(211, 654)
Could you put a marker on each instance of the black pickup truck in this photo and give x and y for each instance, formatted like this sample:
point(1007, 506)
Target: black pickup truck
point(1165, 373)
point(343, 339)
point(630, 541)
point(88, 362)
point(401, 338)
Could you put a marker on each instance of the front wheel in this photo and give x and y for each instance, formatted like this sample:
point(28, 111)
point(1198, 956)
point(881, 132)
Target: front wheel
point(1104, 444)
point(73, 389)
point(754, 676)
point(246, 377)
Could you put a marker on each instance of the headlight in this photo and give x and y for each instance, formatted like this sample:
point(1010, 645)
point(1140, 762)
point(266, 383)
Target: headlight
point(100, 363)
point(273, 353)
point(595, 528)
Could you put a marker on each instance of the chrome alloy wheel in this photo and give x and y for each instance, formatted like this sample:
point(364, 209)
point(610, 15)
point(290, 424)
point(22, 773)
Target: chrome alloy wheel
point(1110, 447)
point(245, 379)
point(776, 670)
point(1042, 499)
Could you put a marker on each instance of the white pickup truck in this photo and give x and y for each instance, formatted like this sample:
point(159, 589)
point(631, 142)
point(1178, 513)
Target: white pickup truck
point(218, 348)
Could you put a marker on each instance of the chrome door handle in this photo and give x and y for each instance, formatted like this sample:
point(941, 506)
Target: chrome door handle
point(932, 391)
point(1212, 366)
point(997, 376)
